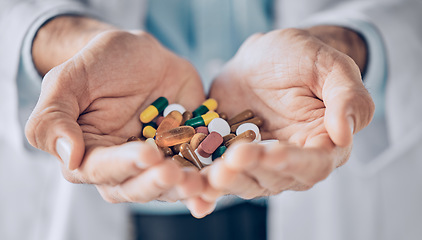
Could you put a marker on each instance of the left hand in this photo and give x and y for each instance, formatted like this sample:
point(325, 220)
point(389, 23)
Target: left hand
point(312, 99)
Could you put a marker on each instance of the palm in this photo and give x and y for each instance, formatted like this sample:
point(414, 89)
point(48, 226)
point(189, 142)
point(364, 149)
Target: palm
point(119, 80)
point(276, 89)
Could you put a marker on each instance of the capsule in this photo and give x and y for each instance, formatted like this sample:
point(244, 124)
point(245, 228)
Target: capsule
point(149, 130)
point(175, 136)
point(172, 120)
point(249, 126)
point(209, 105)
point(228, 137)
point(182, 161)
point(188, 153)
point(153, 110)
point(167, 151)
point(133, 139)
point(202, 120)
point(245, 115)
point(186, 116)
point(256, 120)
point(197, 139)
point(219, 152)
point(247, 136)
point(223, 115)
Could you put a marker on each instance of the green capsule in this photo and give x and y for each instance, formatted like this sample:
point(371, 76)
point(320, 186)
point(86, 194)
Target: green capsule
point(203, 120)
point(219, 152)
point(153, 110)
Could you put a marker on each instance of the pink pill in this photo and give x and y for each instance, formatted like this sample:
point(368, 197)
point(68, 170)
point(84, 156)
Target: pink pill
point(210, 144)
point(202, 129)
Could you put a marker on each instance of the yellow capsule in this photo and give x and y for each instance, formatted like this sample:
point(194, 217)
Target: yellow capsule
point(149, 132)
point(153, 110)
point(211, 104)
point(208, 117)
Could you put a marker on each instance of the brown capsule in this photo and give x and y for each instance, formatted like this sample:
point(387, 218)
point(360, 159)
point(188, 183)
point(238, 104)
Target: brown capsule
point(247, 136)
point(245, 115)
point(256, 120)
point(196, 140)
point(133, 138)
point(189, 154)
point(174, 136)
point(167, 151)
point(228, 137)
point(186, 116)
point(172, 120)
point(223, 115)
point(182, 161)
point(176, 148)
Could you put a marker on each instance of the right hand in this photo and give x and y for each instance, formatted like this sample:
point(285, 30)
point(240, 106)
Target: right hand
point(90, 104)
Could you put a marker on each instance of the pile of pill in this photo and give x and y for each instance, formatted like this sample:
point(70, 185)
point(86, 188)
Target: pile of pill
point(195, 138)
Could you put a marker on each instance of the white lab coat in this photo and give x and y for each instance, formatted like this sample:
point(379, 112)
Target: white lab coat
point(376, 195)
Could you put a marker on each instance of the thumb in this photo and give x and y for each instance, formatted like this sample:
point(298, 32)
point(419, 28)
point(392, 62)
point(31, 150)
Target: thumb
point(52, 126)
point(349, 107)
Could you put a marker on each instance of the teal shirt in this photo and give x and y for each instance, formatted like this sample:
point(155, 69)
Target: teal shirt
point(207, 33)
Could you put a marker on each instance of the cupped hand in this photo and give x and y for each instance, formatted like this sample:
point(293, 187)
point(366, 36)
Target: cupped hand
point(311, 98)
point(90, 105)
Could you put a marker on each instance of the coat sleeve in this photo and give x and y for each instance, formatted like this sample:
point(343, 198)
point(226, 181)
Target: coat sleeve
point(394, 37)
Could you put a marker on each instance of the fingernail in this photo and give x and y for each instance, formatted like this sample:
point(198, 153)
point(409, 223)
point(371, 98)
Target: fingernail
point(351, 124)
point(63, 149)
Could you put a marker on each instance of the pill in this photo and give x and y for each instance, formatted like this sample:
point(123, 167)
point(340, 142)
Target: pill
point(197, 139)
point(175, 136)
point(188, 153)
point(209, 105)
point(204, 160)
point(245, 115)
point(176, 148)
point(186, 116)
point(167, 151)
point(219, 152)
point(219, 125)
point(249, 126)
point(172, 120)
point(228, 137)
point(159, 120)
point(173, 107)
point(256, 120)
point(133, 138)
point(153, 110)
point(202, 120)
point(151, 141)
point(247, 136)
point(182, 161)
point(223, 115)
point(210, 144)
point(202, 129)
point(149, 130)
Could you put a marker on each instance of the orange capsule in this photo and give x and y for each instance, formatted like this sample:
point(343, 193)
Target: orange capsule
point(172, 120)
point(174, 136)
point(247, 136)
point(186, 116)
point(196, 140)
